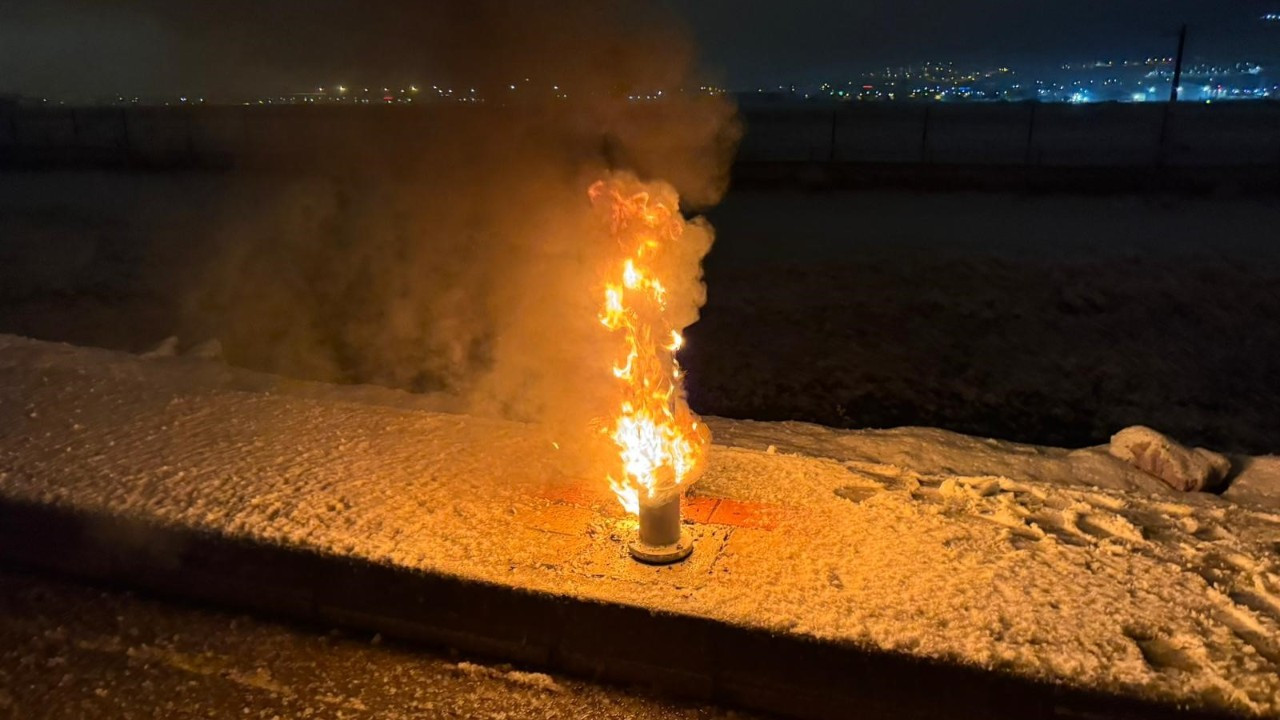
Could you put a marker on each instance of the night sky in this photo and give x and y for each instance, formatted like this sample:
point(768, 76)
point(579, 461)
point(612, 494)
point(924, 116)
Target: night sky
point(776, 40)
point(99, 47)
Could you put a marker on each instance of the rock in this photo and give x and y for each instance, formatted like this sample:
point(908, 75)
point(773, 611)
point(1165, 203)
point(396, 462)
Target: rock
point(1219, 464)
point(167, 348)
point(209, 350)
point(1181, 467)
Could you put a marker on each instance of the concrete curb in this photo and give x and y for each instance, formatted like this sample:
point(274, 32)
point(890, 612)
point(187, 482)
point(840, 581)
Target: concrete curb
point(682, 655)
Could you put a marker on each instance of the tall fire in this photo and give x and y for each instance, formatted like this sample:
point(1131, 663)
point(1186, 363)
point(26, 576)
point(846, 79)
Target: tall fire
point(661, 443)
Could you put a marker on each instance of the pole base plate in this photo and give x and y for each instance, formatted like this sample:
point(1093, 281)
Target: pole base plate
point(662, 554)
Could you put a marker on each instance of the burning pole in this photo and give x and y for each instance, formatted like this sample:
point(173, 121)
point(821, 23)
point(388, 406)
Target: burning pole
point(661, 444)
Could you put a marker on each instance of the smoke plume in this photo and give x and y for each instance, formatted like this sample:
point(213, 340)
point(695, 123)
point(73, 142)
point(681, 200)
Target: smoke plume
point(470, 264)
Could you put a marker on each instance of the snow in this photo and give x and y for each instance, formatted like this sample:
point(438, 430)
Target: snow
point(1059, 564)
point(536, 680)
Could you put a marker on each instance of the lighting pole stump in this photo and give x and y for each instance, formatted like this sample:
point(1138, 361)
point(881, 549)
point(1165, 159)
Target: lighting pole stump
point(661, 539)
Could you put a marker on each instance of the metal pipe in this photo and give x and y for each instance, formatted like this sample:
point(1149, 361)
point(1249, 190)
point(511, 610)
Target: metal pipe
point(661, 538)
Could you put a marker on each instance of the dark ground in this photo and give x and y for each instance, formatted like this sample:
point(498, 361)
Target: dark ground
point(68, 651)
point(1047, 319)
point(1054, 319)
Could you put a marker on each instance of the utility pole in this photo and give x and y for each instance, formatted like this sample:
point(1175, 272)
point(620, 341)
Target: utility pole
point(1163, 150)
point(1177, 68)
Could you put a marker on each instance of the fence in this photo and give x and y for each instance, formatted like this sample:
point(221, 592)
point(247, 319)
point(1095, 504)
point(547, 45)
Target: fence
point(1032, 135)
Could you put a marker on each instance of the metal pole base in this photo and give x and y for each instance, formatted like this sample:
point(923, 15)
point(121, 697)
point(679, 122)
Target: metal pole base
point(661, 539)
point(662, 554)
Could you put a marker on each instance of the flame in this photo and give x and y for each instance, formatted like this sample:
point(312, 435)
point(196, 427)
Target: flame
point(661, 443)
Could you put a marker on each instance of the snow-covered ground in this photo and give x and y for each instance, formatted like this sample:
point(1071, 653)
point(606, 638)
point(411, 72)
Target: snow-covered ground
point(1066, 565)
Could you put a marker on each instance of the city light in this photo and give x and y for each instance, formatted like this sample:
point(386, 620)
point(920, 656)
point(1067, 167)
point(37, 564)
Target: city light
point(1100, 80)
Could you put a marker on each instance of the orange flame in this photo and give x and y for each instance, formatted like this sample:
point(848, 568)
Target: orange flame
point(661, 443)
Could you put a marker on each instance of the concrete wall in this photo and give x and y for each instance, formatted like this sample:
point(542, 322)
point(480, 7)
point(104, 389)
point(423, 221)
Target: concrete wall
point(1030, 135)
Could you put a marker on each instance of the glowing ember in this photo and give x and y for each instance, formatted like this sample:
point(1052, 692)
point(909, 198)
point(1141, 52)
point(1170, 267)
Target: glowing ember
point(661, 444)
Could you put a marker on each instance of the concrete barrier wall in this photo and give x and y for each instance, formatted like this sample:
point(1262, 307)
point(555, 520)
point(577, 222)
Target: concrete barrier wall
point(1032, 135)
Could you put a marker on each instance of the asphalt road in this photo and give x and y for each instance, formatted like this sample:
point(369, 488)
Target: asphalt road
point(69, 651)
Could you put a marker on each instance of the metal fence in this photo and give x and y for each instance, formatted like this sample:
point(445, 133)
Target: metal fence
point(1024, 135)
point(1032, 134)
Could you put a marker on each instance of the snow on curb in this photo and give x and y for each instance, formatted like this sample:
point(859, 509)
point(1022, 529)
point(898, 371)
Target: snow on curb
point(1067, 566)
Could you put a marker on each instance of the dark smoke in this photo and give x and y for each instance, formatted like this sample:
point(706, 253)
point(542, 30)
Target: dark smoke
point(472, 270)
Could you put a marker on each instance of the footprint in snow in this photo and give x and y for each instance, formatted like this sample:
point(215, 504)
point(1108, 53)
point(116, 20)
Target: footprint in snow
point(1162, 652)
